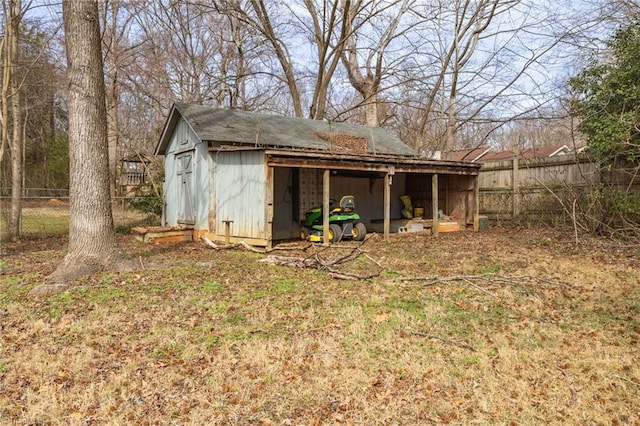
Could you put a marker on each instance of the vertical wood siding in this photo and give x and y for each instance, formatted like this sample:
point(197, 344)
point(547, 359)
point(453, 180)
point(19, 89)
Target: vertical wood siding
point(240, 192)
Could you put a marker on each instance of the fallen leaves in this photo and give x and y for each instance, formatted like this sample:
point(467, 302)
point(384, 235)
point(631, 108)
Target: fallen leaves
point(224, 339)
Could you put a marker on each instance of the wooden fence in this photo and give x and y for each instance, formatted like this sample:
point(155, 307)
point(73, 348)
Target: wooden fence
point(539, 189)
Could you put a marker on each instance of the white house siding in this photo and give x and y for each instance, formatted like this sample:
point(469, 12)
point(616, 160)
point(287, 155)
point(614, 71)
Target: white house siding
point(239, 191)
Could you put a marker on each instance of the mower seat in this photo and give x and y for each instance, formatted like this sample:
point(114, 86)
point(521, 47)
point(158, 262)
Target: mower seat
point(347, 204)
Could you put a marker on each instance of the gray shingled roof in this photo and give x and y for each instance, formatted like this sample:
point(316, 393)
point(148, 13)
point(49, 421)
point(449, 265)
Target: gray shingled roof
point(226, 126)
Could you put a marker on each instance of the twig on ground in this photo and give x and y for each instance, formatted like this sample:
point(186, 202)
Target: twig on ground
point(348, 276)
point(627, 380)
point(442, 339)
point(442, 280)
point(478, 287)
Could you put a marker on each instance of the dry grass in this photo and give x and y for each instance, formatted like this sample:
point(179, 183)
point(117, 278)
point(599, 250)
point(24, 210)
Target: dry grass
point(51, 219)
point(547, 333)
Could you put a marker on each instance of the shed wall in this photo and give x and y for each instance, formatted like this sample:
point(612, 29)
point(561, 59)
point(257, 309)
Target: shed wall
point(240, 193)
point(184, 141)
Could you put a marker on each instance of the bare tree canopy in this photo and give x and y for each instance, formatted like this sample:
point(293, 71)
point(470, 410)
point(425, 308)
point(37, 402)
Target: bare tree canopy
point(441, 74)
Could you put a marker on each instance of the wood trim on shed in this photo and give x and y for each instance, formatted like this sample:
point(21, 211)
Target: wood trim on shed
point(319, 160)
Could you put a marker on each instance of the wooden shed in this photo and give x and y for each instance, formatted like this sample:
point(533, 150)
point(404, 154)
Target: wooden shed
point(237, 175)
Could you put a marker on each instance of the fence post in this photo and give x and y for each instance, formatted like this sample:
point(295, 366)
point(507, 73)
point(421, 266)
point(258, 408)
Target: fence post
point(515, 174)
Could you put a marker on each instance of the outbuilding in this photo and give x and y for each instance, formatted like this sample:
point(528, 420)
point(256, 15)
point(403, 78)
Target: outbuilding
point(240, 176)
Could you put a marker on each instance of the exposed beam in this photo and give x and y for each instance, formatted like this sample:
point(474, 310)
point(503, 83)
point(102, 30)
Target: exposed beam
point(310, 163)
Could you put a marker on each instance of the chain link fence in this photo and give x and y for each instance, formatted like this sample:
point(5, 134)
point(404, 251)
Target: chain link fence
point(45, 212)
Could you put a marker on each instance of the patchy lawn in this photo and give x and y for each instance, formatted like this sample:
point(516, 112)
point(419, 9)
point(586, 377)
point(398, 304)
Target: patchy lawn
point(502, 327)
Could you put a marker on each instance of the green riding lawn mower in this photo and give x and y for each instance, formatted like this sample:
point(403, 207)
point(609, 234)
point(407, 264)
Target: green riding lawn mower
point(344, 222)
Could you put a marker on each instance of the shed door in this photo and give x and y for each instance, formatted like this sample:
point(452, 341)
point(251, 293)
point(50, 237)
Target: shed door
point(184, 167)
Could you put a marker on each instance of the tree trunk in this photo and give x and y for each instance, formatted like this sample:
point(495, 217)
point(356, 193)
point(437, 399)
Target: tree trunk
point(17, 169)
point(113, 126)
point(6, 79)
point(92, 242)
point(12, 30)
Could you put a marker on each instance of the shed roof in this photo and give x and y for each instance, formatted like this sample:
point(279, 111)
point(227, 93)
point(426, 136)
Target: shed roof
point(227, 126)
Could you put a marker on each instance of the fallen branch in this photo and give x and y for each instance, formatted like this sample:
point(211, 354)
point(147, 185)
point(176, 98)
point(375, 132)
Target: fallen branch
point(312, 261)
point(442, 280)
point(250, 248)
point(478, 287)
point(442, 339)
point(298, 262)
point(349, 276)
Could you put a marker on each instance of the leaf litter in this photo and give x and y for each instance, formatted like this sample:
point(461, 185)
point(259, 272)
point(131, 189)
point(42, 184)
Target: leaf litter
point(505, 326)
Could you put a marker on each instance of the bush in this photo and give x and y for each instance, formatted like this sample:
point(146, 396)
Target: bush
point(146, 200)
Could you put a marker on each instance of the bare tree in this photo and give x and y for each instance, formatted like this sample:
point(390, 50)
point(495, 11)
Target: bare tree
point(471, 20)
point(255, 15)
point(330, 26)
point(13, 13)
point(92, 242)
point(119, 53)
point(366, 77)
point(323, 24)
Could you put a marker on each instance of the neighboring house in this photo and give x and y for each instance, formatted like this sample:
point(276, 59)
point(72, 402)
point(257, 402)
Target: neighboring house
point(544, 151)
point(254, 175)
point(472, 155)
point(485, 154)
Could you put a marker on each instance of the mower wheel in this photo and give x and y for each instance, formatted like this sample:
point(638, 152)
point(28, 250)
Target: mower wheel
point(359, 231)
point(335, 233)
point(304, 234)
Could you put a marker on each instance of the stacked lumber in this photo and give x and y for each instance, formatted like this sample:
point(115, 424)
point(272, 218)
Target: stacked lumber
point(162, 234)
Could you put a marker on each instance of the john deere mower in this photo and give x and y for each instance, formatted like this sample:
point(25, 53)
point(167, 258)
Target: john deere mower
point(344, 222)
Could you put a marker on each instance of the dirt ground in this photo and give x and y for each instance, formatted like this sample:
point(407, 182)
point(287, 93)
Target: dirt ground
point(504, 326)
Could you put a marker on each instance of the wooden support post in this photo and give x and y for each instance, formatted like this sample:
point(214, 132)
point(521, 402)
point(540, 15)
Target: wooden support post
point(476, 203)
point(227, 231)
point(387, 204)
point(434, 203)
point(325, 206)
point(269, 205)
point(515, 184)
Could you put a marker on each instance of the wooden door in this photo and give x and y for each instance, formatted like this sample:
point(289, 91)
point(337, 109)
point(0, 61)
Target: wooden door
point(186, 206)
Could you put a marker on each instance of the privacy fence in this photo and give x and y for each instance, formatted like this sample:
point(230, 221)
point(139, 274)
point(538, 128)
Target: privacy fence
point(45, 212)
point(547, 190)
